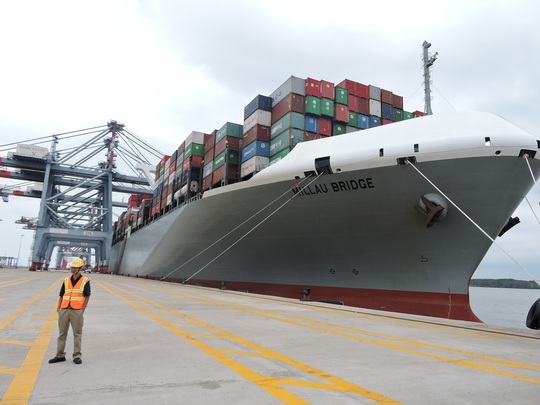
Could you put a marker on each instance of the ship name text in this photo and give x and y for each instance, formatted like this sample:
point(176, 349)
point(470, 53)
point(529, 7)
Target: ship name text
point(334, 186)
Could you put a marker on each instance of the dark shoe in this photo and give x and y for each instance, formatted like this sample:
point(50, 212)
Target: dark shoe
point(57, 359)
point(77, 360)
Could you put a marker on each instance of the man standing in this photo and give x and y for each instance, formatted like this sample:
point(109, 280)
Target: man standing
point(74, 297)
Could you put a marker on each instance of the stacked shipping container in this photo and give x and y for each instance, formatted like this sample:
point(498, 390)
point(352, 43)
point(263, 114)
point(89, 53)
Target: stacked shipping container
point(299, 110)
point(256, 139)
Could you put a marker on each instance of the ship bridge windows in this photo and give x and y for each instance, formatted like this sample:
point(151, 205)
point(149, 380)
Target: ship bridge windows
point(487, 141)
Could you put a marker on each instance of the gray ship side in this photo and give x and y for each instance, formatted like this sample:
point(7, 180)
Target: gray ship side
point(348, 230)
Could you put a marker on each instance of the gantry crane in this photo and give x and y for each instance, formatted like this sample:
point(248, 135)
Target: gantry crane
point(76, 207)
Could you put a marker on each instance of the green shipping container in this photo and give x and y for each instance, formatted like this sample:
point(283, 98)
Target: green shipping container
point(313, 105)
point(342, 96)
point(229, 129)
point(287, 139)
point(407, 115)
point(290, 120)
point(232, 158)
point(194, 149)
point(353, 119)
point(338, 129)
point(280, 155)
point(327, 107)
point(398, 115)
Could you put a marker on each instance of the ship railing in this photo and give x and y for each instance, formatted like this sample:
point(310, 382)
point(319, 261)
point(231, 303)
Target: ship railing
point(194, 198)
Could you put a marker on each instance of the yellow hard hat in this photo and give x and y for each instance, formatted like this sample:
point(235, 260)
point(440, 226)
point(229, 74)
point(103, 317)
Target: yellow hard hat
point(77, 262)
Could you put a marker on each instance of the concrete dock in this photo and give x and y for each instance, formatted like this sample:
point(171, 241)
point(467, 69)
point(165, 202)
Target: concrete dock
point(151, 342)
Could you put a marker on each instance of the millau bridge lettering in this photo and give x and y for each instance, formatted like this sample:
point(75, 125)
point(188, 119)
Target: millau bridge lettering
point(334, 186)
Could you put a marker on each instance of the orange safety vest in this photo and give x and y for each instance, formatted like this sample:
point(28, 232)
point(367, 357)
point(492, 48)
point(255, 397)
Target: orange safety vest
point(74, 295)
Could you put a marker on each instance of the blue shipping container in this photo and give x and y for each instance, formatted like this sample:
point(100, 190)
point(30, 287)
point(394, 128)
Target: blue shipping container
point(374, 121)
point(256, 148)
point(312, 124)
point(387, 111)
point(363, 121)
point(258, 103)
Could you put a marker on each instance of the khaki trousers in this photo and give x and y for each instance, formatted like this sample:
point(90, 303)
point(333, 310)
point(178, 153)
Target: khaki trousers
point(73, 317)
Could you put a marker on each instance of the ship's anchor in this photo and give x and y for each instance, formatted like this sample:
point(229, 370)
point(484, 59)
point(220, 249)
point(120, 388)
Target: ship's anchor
point(433, 207)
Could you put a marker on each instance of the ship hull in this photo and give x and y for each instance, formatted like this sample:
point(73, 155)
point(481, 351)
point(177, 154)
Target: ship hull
point(353, 237)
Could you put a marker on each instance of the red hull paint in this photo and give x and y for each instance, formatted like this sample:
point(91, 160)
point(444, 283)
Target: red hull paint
point(439, 305)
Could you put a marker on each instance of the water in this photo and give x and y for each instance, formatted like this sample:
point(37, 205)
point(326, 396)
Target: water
point(503, 306)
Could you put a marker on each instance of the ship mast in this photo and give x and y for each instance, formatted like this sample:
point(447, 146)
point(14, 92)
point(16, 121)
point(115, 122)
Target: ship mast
point(428, 61)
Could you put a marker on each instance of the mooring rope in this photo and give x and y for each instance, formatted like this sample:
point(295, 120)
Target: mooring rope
point(251, 230)
point(532, 210)
point(231, 231)
point(526, 157)
point(474, 223)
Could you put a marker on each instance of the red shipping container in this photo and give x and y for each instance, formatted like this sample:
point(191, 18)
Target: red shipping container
point(418, 114)
point(363, 106)
point(192, 161)
point(398, 102)
point(172, 167)
point(231, 141)
point(350, 85)
point(207, 182)
point(353, 103)
point(219, 173)
point(313, 87)
point(291, 102)
point(210, 140)
point(341, 113)
point(387, 97)
point(257, 133)
point(209, 155)
point(386, 122)
point(196, 161)
point(327, 89)
point(325, 126)
point(164, 159)
point(363, 90)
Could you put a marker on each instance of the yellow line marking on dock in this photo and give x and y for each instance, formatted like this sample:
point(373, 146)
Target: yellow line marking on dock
point(22, 326)
point(402, 344)
point(11, 283)
point(16, 342)
point(14, 315)
point(25, 376)
point(479, 361)
point(273, 385)
point(24, 380)
point(7, 370)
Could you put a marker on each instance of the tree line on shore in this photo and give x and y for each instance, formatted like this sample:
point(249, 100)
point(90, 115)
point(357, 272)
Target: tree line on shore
point(504, 283)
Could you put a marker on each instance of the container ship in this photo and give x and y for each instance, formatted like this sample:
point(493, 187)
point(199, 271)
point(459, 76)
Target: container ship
point(333, 193)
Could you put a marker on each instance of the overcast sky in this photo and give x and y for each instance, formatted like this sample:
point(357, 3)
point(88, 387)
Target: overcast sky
point(166, 68)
